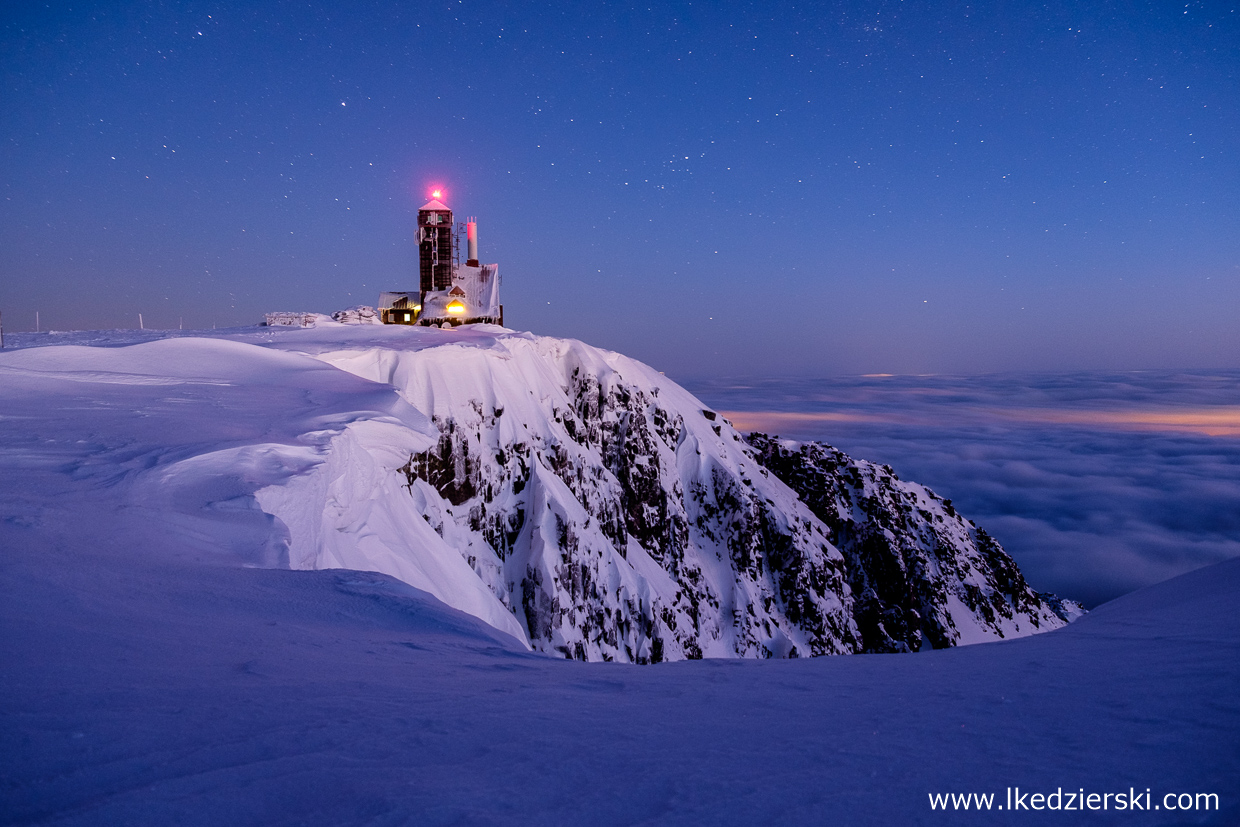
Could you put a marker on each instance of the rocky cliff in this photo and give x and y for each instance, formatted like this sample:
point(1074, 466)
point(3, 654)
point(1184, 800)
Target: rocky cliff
point(920, 574)
point(617, 518)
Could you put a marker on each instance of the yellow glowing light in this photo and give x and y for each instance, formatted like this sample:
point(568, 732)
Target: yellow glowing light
point(437, 194)
point(455, 307)
point(417, 308)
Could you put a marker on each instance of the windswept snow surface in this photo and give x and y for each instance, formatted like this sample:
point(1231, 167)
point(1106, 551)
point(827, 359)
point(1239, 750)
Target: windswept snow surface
point(568, 495)
point(140, 686)
point(160, 663)
point(183, 432)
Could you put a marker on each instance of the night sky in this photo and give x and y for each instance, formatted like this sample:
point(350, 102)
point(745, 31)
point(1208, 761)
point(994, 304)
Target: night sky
point(715, 188)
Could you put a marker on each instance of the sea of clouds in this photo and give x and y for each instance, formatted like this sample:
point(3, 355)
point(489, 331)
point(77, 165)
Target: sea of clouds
point(1096, 483)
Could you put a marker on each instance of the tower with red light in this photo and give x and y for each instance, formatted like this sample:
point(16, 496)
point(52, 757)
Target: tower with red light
point(449, 293)
point(436, 245)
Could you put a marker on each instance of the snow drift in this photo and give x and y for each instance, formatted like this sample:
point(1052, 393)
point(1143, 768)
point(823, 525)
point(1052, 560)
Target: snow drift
point(567, 495)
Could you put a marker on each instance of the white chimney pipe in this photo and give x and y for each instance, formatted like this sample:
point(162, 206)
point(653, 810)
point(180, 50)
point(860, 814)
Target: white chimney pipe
point(471, 235)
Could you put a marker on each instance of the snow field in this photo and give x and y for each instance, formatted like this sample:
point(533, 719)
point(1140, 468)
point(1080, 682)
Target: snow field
point(159, 664)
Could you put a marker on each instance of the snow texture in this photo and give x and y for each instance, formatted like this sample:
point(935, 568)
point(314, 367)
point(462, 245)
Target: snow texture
point(285, 318)
point(475, 287)
point(569, 496)
point(143, 683)
point(163, 660)
point(362, 314)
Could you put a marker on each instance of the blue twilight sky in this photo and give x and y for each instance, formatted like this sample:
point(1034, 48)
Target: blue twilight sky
point(716, 188)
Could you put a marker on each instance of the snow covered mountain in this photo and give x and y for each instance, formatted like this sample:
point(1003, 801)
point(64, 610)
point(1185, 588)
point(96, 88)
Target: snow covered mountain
point(619, 519)
point(569, 496)
point(161, 664)
point(602, 505)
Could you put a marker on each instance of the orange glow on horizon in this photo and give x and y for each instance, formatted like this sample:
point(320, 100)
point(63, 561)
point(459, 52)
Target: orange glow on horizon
point(1216, 421)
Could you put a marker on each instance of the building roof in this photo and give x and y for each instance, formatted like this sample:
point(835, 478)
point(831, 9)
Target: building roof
point(475, 287)
point(388, 300)
point(435, 204)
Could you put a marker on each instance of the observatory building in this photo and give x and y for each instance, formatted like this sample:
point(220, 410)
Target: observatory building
point(449, 293)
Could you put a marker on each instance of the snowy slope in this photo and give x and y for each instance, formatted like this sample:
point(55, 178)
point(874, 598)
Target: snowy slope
point(567, 495)
point(595, 498)
point(142, 686)
point(185, 431)
point(148, 678)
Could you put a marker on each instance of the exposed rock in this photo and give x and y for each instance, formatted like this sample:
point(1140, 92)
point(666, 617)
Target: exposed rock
point(618, 519)
point(921, 575)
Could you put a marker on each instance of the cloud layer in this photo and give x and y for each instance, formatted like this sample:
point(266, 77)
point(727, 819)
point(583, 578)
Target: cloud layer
point(1096, 483)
